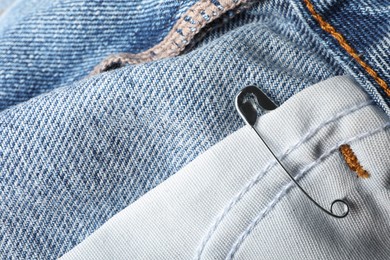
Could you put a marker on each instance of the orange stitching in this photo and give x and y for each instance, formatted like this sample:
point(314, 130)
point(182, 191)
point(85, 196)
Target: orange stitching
point(340, 38)
point(352, 161)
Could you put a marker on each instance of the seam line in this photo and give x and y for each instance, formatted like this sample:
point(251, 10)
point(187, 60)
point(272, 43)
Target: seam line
point(283, 192)
point(327, 27)
point(267, 168)
point(189, 24)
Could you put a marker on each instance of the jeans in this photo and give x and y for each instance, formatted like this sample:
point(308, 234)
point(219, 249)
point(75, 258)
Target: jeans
point(75, 150)
point(236, 202)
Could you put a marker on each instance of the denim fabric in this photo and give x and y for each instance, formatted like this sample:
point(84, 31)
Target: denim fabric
point(73, 157)
point(45, 44)
point(238, 187)
point(365, 26)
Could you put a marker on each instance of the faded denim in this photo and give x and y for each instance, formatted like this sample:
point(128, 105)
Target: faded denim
point(74, 150)
point(235, 201)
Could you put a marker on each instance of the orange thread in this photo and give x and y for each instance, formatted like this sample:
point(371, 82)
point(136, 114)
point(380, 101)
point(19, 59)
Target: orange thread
point(352, 161)
point(340, 38)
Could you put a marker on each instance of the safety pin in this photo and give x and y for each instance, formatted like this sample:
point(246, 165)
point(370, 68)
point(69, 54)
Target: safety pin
point(248, 101)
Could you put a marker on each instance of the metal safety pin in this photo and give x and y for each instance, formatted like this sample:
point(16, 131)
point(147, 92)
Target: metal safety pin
point(248, 101)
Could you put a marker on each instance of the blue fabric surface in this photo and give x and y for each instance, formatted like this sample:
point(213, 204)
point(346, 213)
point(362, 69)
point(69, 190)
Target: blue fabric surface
point(45, 44)
point(5, 3)
point(85, 148)
point(365, 26)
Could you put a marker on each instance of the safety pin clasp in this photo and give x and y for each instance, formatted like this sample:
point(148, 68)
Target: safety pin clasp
point(249, 100)
point(248, 103)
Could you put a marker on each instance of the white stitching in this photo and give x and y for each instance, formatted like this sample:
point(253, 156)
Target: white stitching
point(291, 184)
point(262, 173)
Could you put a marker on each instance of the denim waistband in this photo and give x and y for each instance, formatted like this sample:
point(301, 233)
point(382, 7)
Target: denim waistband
point(235, 201)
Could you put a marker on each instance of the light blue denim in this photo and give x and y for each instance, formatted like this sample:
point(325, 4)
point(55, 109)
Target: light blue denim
point(76, 150)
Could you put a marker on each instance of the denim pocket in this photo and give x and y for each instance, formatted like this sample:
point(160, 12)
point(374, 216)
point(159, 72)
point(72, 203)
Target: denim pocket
point(235, 202)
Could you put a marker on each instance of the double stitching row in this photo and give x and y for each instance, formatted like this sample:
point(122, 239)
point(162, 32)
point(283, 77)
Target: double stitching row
point(182, 33)
point(236, 246)
point(266, 169)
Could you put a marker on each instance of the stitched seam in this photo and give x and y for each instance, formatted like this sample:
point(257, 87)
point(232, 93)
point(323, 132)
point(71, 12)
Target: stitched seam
point(352, 161)
point(191, 22)
point(344, 44)
point(264, 171)
point(236, 246)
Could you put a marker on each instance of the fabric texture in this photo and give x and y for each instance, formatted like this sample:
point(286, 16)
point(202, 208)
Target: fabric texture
point(364, 26)
point(261, 213)
point(45, 44)
point(4, 4)
point(75, 150)
point(75, 156)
